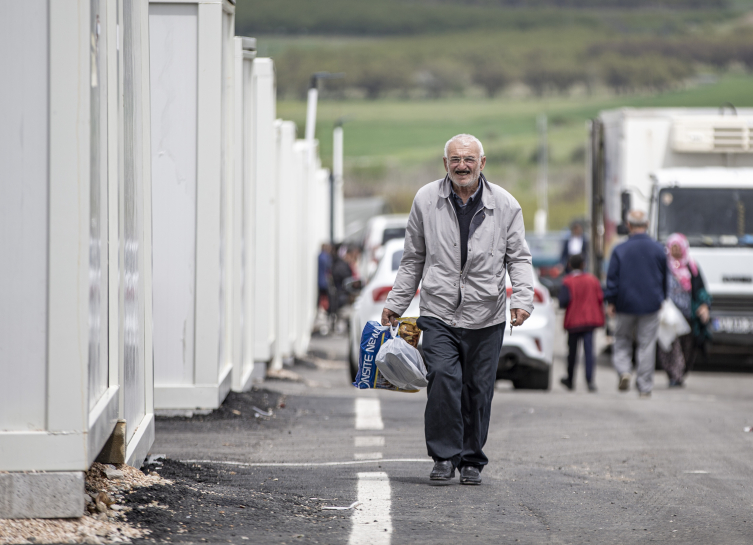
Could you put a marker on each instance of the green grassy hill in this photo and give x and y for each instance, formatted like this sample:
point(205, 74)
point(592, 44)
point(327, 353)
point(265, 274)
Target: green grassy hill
point(419, 71)
point(391, 17)
point(393, 147)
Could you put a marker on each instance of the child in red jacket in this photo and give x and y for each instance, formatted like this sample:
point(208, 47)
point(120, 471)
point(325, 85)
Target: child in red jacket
point(581, 295)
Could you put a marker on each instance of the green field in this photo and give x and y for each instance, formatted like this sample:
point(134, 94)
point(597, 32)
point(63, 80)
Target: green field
point(392, 147)
point(421, 71)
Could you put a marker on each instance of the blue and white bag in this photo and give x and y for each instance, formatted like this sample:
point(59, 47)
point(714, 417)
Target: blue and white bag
point(373, 337)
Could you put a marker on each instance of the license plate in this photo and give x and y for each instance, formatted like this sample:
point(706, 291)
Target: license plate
point(738, 325)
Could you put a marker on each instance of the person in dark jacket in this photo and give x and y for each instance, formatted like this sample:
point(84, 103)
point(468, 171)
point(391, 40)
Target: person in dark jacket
point(341, 271)
point(583, 300)
point(575, 244)
point(686, 290)
point(636, 288)
point(324, 276)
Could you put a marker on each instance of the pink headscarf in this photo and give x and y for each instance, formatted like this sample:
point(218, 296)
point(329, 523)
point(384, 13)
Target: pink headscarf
point(684, 267)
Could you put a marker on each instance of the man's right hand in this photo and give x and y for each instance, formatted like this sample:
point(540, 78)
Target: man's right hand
point(611, 310)
point(389, 317)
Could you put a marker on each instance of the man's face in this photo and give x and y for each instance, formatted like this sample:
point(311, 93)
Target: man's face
point(463, 164)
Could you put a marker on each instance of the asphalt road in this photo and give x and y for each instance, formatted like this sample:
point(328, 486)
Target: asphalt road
point(565, 467)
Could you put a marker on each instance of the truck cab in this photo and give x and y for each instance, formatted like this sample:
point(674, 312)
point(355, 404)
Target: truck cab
point(713, 208)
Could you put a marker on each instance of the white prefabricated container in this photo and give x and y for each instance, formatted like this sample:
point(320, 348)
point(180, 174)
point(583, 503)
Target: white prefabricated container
point(192, 67)
point(299, 311)
point(253, 215)
point(313, 209)
point(75, 236)
point(286, 241)
point(267, 196)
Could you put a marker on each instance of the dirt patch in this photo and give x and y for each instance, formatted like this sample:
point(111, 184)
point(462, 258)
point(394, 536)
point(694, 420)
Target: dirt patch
point(206, 503)
point(238, 406)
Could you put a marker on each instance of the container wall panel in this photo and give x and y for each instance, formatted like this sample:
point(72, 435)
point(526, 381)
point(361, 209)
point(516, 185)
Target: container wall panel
point(98, 350)
point(248, 218)
point(173, 64)
point(263, 169)
point(286, 247)
point(243, 220)
point(133, 162)
point(24, 156)
point(226, 167)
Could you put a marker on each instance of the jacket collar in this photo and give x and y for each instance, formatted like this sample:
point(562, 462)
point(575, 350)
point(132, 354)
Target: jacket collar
point(445, 190)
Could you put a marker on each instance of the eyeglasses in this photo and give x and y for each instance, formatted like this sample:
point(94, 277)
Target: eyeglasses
point(470, 160)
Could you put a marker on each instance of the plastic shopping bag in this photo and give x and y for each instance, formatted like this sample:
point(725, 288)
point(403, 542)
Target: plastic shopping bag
point(409, 331)
point(369, 376)
point(672, 324)
point(401, 364)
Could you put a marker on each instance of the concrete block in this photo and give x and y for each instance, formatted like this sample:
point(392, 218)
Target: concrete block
point(42, 495)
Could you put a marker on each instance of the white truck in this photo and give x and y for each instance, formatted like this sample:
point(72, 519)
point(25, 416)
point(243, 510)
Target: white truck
point(691, 170)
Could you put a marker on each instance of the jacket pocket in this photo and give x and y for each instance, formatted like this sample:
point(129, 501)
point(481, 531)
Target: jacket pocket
point(484, 288)
point(438, 292)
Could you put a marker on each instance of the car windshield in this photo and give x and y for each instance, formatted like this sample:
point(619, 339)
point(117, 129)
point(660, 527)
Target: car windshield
point(393, 232)
point(396, 258)
point(545, 249)
point(708, 217)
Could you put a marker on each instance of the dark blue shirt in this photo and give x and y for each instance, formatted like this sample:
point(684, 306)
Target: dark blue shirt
point(465, 213)
point(637, 277)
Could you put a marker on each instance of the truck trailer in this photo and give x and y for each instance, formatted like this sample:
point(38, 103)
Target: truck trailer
point(691, 171)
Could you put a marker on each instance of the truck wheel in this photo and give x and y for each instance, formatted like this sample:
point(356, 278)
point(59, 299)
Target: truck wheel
point(533, 380)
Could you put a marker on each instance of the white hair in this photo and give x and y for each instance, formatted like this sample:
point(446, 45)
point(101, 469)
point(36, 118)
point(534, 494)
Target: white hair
point(465, 137)
point(637, 218)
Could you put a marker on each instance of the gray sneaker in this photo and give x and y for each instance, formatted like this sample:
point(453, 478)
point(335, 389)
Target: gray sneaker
point(624, 385)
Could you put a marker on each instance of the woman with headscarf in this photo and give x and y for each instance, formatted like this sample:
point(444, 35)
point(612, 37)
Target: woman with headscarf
point(686, 290)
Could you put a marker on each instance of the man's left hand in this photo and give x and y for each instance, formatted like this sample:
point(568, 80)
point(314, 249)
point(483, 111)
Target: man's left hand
point(518, 316)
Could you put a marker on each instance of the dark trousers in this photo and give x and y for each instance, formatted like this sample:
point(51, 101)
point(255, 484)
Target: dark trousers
point(462, 369)
point(573, 337)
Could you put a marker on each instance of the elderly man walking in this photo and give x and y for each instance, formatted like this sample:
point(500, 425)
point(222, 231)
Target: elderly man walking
point(462, 233)
point(636, 288)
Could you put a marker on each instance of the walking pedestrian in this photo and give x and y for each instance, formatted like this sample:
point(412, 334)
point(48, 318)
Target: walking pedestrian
point(583, 300)
point(324, 276)
point(575, 244)
point(462, 232)
point(636, 288)
point(687, 291)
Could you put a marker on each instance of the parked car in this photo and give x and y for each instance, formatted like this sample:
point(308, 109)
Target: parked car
point(526, 357)
point(546, 252)
point(378, 231)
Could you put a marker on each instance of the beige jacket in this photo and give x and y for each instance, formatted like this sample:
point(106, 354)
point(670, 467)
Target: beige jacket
point(474, 298)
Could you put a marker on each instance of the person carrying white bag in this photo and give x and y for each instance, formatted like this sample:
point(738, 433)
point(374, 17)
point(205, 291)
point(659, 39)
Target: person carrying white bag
point(684, 317)
point(464, 236)
point(401, 364)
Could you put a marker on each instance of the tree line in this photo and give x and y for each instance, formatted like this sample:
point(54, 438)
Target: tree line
point(374, 71)
point(400, 17)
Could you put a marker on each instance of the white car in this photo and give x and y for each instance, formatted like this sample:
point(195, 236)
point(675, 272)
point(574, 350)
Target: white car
point(526, 357)
point(378, 231)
